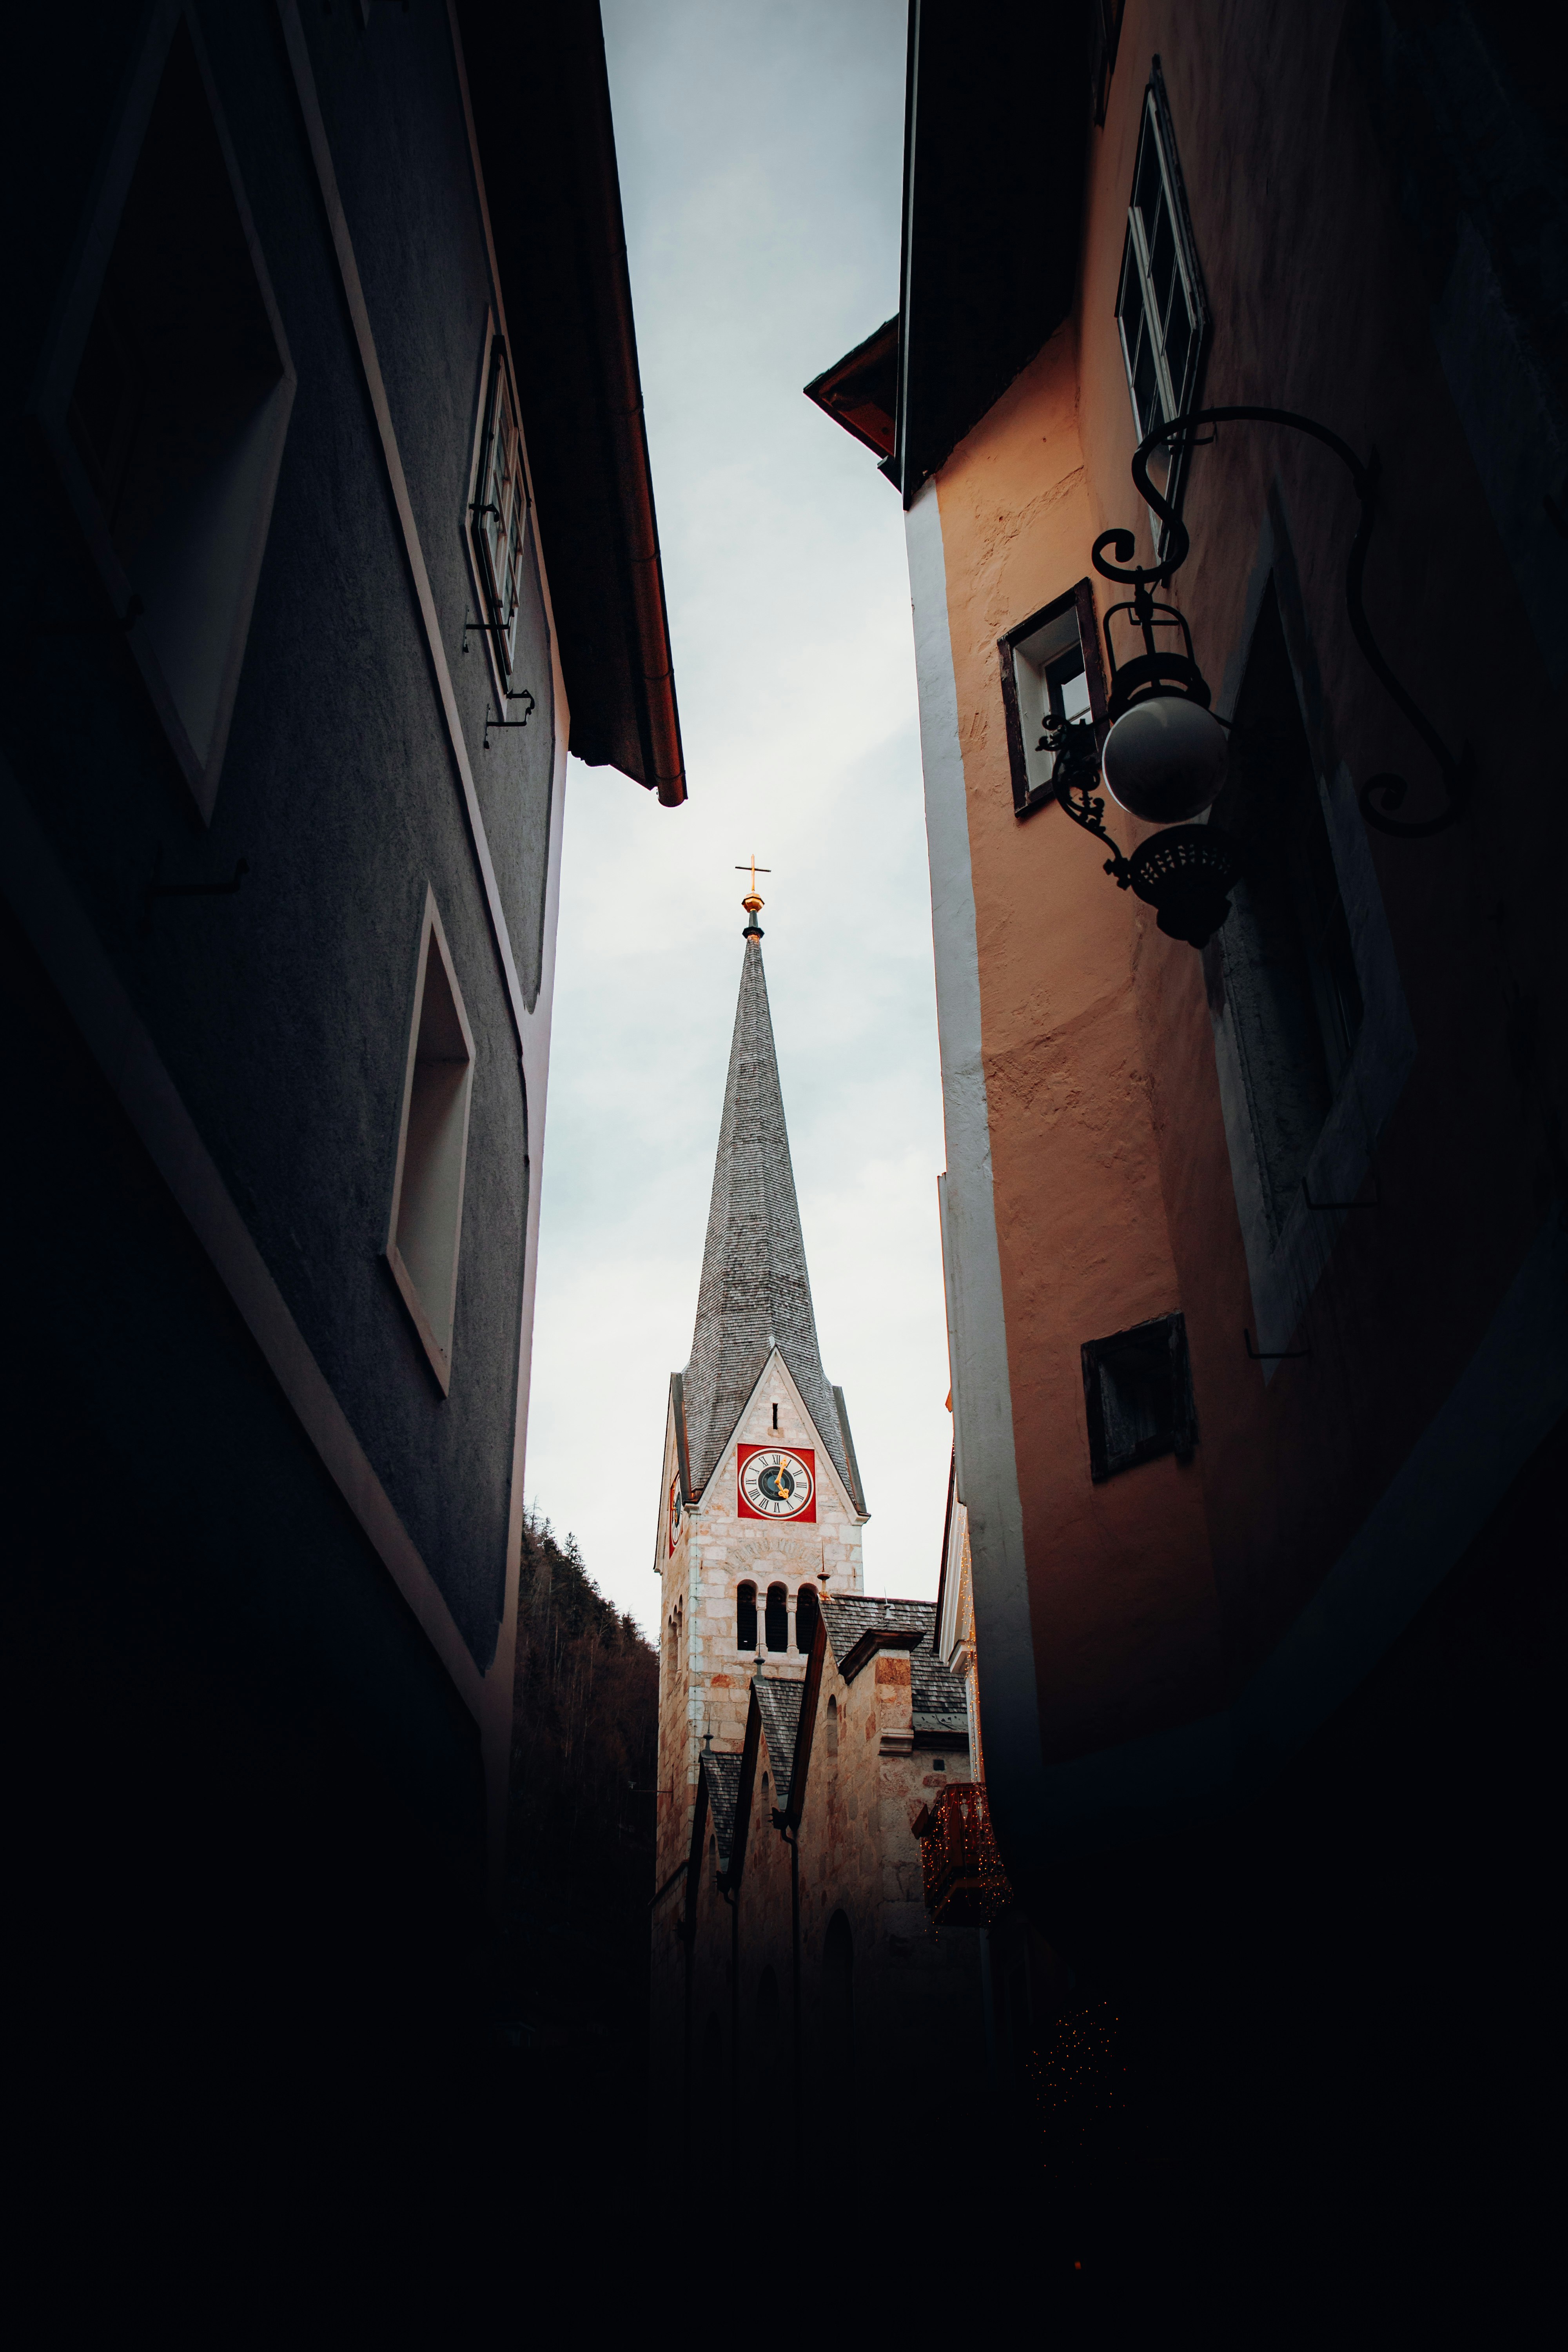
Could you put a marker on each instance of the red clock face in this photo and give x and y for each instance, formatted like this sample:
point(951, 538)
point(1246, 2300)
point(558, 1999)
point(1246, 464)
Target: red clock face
point(775, 1482)
point(674, 1512)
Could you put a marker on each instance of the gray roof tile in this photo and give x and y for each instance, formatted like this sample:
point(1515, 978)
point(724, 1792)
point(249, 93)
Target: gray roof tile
point(936, 1696)
point(778, 1704)
point(723, 1774)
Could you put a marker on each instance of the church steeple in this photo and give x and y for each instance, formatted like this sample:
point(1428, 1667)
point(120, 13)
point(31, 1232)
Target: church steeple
point(755, 1293)
point(760, 1507)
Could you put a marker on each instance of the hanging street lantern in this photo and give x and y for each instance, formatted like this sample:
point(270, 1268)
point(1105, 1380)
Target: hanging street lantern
point(1165, 755)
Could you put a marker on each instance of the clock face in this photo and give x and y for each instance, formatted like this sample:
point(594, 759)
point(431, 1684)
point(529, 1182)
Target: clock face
point(674, 1512)
point(776, 1482)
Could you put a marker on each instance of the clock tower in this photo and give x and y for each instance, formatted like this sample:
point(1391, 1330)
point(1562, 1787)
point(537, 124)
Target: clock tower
point(760, 1502)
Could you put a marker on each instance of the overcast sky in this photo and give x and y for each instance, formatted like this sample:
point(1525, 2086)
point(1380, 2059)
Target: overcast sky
point(760, 152)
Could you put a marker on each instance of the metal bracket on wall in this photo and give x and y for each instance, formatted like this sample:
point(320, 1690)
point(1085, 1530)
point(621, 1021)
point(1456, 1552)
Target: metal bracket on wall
point(481, 628)
point(1274, 1355)
point(156, 889)
point(492, 718)
point(1375, 1202)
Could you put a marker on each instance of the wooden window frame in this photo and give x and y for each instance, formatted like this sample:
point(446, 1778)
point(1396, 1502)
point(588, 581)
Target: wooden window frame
point(1027, 797)
point(1182, 1436)
point(1156, 132)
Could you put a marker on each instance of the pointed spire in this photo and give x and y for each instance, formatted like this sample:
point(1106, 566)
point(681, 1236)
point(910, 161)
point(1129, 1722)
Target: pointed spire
point(755, 1292)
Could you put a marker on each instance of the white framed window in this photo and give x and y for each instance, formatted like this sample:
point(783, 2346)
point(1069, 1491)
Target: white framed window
point(499, 514)
point(425, 1227)
point(1161, 312)
point(1050, 672)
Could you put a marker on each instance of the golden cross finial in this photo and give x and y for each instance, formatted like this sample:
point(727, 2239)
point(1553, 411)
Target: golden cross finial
point(755, 870)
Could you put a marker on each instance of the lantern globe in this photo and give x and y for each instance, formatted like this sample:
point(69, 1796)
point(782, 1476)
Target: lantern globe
point(1164, 759)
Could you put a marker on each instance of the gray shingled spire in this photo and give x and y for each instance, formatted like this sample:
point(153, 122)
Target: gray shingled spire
point(755, 1290)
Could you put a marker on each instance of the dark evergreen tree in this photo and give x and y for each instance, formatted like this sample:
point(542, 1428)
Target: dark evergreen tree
point(581, 1856)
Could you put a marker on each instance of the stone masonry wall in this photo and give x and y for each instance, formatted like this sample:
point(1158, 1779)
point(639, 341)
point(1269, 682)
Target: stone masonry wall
point(916, 2026)
point(705, 1675)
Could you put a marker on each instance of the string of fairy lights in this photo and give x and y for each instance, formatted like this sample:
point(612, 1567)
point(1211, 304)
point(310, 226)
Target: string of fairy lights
point(966, 1883)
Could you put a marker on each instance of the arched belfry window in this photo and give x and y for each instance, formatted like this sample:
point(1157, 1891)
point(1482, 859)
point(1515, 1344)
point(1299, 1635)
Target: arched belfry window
point(778, 1617)
point(806, 1614)
point(746, 1617)
point(833, 1727)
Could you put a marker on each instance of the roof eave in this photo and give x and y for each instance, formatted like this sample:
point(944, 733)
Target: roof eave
point(553, 192)
point(992, 211)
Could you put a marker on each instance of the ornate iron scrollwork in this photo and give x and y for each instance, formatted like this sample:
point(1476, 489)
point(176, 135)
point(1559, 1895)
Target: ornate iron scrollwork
point(1381, 794)
point(1074, 772)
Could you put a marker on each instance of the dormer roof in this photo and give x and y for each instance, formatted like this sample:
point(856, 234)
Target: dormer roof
point(859, 1625)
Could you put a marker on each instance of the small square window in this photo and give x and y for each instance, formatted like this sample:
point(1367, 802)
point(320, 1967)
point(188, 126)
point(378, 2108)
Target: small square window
point(1050, 670)
point(1138, 1394)
point(427, 1222)
point(1160, 307)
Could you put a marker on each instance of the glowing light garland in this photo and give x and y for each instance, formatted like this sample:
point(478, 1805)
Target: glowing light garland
point(966, 1883)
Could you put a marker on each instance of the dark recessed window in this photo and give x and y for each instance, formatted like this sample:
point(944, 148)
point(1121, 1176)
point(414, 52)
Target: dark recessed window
point(746, 1617)
point(1285, 955)
point(1160, 307)
point(938, 1763)
point(1050, 670)
point(177, 415)
point(805, 1618)
point(776, 1625)
point(1138, 1393)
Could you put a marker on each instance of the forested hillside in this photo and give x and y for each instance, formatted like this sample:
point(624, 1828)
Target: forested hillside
point(582, 1844)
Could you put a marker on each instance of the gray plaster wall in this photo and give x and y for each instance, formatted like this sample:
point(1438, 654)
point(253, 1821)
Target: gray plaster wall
point(282, 1013)
point(393, 108)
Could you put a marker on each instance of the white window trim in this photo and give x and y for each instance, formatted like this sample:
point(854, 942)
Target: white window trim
point(432, 941)
point(503, 677)
point(1022, 698)
point(1155, 124)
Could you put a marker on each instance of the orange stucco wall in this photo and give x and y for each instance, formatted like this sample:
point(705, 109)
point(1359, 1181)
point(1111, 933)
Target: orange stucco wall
point(1080, 1223)
point(1152, 1594)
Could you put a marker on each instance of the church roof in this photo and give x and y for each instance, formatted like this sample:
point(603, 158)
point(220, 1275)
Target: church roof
point(778, 1703)
point(856, 1620)
point(723, 1774)
point(755, 1293)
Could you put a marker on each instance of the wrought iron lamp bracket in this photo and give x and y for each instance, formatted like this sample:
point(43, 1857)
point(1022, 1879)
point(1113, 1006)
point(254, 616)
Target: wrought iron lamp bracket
point(1382, 794)
point(1075, 772)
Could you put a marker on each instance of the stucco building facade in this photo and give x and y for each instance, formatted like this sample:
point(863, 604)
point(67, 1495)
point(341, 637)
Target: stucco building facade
point(281, 776)
point(1254, 1242)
